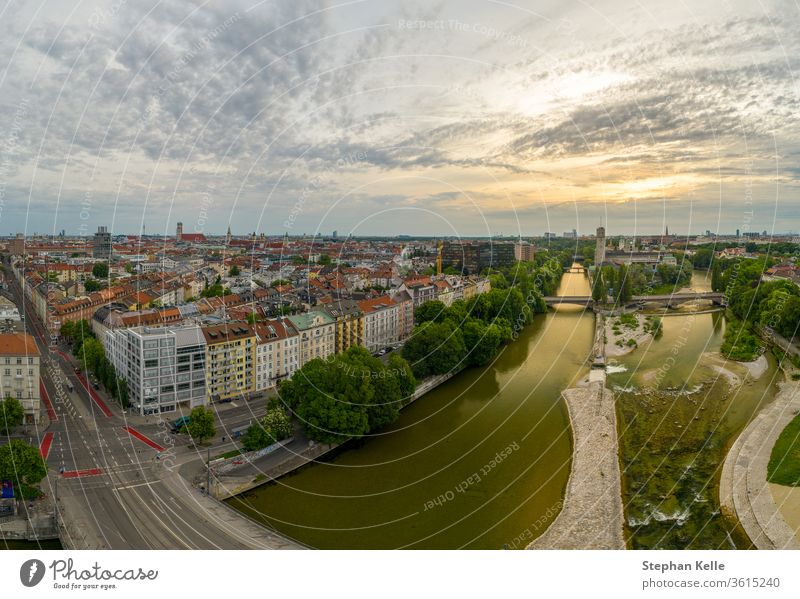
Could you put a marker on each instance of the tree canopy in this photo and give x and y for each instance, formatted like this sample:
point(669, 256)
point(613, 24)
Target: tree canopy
point(201, 424)
point(349, 395)
point(100, 270)
point(23, 465)
point(11, 414)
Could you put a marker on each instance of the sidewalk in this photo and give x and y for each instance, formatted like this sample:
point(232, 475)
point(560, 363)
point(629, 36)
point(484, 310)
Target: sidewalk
point(744, 490)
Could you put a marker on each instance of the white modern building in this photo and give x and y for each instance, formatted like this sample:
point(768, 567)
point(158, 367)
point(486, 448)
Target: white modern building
point(164, 367)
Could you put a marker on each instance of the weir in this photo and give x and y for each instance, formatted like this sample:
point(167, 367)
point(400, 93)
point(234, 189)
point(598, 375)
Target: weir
point(592, 515)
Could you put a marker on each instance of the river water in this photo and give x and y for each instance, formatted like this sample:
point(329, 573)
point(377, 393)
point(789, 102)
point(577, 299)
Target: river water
point(678, 416)
point(480, 462)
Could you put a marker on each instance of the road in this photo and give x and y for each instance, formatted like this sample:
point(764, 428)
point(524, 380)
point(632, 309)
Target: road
point(114, 488)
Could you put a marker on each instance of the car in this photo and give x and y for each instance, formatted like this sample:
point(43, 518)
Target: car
point(381, 352)
point(179, 423)
point(96, 386)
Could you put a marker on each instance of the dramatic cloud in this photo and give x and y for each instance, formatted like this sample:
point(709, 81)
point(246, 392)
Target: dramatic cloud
point(377, 117)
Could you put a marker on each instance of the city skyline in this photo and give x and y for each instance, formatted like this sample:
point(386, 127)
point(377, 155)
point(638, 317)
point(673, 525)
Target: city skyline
point(399, 118)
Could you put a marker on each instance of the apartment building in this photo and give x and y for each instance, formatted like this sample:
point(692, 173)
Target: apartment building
point(230, 360)
point(317, 334)
point(164, 367)
point(19, 372)
point(382, 322)
point(277, 352)
point(349, 323)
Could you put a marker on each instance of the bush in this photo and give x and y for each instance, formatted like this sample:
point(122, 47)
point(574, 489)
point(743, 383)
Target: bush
point(273, 427)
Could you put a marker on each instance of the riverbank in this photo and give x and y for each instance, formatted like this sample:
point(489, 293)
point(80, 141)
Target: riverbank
point(592, 515)
point(744, 491)
point(625, 332)
point(290, 457)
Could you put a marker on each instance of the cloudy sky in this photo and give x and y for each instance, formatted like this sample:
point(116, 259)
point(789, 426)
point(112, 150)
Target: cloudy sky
point(387, 117)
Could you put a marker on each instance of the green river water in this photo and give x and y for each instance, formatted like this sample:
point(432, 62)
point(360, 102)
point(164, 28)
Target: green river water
point(433, 479)
point(482, 461)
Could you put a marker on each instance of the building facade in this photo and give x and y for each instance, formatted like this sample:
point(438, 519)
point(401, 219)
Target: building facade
point(524, 252)
point(230, 360)
point(101, 246)
point(349, 323)
point(317, 332)
point(19, 373)
point(164, 367)
point(277, 353)
point(382, 322)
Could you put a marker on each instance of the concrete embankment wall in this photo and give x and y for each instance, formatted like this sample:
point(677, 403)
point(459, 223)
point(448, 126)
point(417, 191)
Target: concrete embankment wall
point(41, 527)
point(230, 485)
point(592, 516)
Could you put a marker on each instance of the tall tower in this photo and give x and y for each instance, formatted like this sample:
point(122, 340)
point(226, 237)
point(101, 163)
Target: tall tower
point(439, 259)
point(228, 236)
point(179, 232)
point(600, 248)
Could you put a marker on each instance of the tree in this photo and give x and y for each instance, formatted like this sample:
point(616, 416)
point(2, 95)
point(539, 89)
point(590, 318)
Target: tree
point(122, 392)
point(325, 260)
point(434, 348)
point(716, 276)
point(91, 285)
point(273, 427)
point(91, 354)
point(348, 396)
point(11, 414)
point(23, 465)
point(623, 285)
point(481, 341)
point(100, 270)
point(599, 288)
point(234, 271)
point(201, 424)
point(429, 311)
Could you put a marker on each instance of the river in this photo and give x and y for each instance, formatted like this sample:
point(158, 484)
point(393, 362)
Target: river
point(677, 418)
point(480, 462)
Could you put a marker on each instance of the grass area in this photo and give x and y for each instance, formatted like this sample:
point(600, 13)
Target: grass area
point(740, 343)
point(784, 463)
point(228, 454)
point(628, 319)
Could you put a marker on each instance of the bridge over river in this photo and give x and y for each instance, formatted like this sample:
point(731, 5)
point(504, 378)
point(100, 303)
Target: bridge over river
point(669, 300)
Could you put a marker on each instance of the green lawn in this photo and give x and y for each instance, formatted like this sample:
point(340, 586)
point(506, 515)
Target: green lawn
point(228, 454)
point(784, 463)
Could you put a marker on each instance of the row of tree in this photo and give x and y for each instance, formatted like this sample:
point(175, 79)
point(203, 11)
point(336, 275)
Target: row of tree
point(754, 303)
point(349, 395)
point(623, 282)
point(471, 332)
point(92, 356)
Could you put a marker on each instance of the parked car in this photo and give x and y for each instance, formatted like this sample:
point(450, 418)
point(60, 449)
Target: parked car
point(178, 424)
